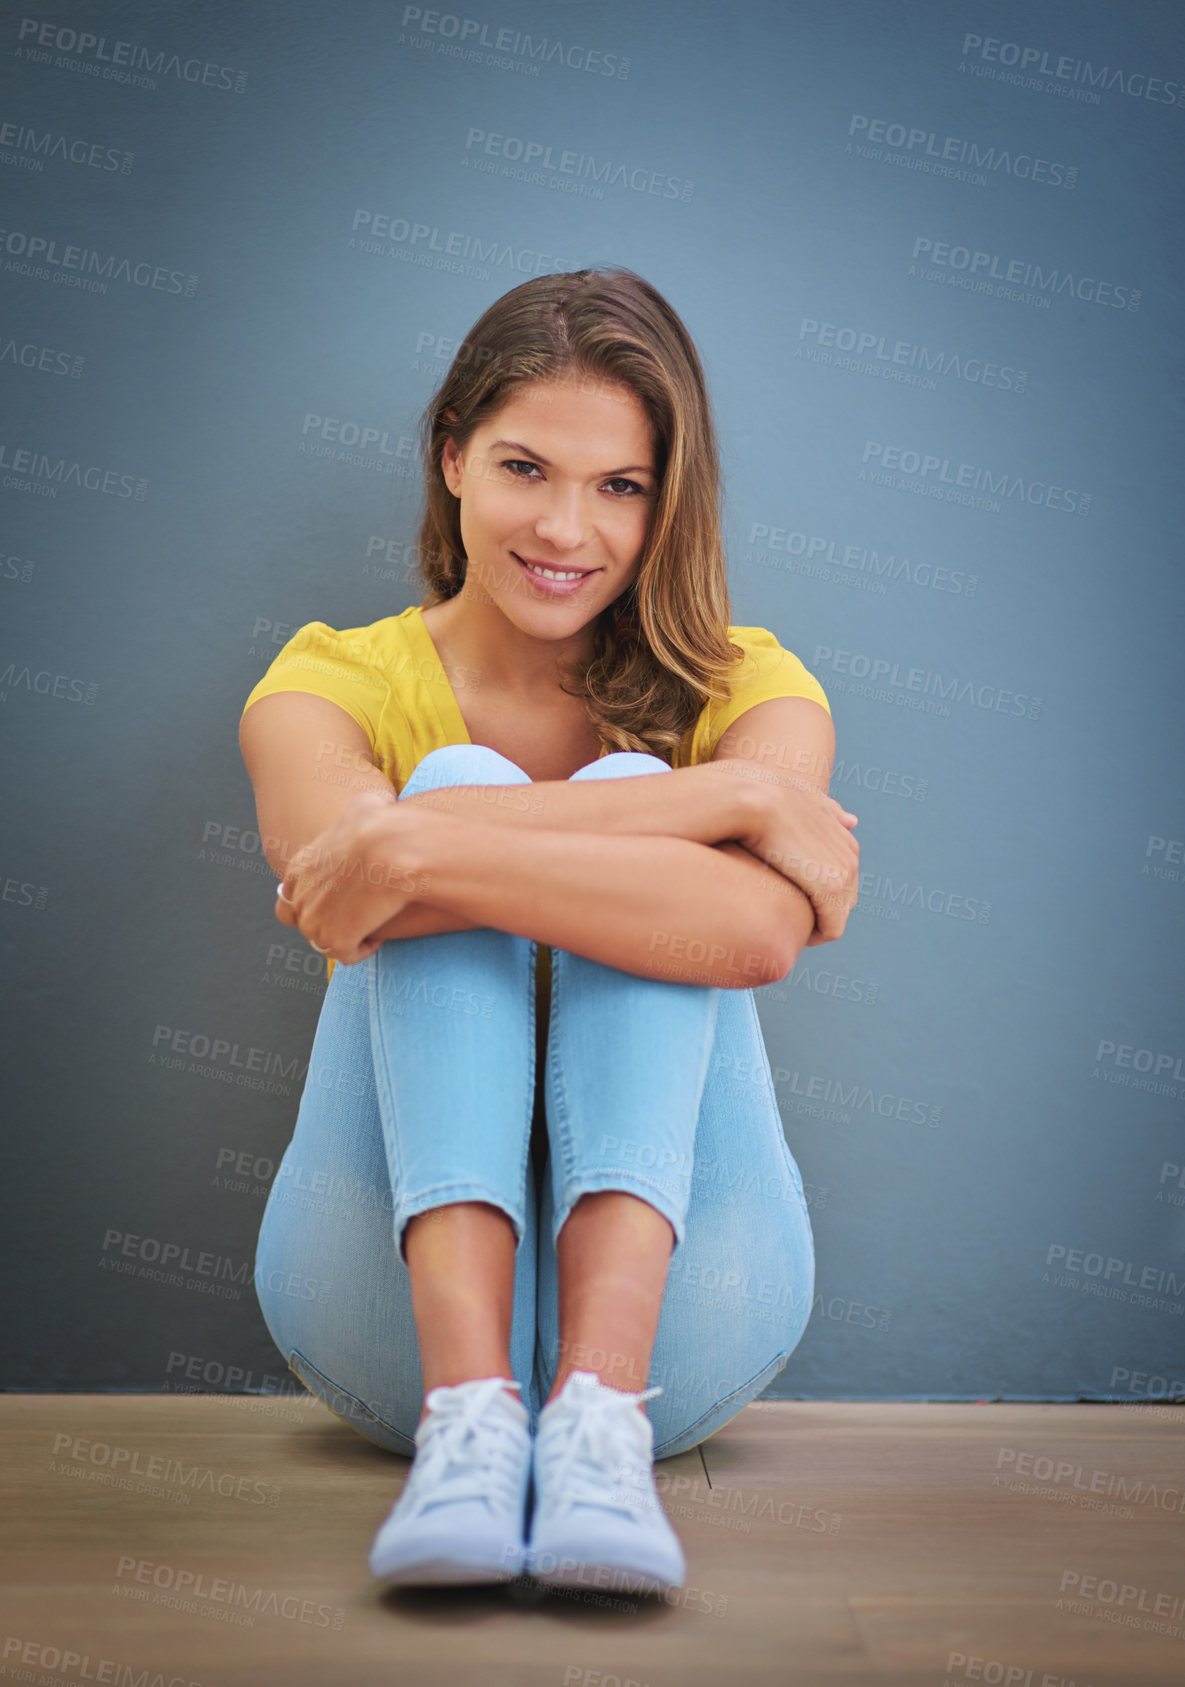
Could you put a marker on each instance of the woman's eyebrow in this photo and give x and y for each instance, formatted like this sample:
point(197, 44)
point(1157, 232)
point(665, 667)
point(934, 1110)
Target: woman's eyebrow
point(517, 445)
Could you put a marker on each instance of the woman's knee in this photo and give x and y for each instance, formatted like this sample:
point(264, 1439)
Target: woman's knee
point(620, 764)
point(463, 764)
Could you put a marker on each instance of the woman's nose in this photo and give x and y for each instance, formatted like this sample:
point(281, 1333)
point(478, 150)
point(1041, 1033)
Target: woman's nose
point(562, 522)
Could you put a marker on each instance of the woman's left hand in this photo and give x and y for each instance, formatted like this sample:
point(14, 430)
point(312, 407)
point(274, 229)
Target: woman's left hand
point(349, 881)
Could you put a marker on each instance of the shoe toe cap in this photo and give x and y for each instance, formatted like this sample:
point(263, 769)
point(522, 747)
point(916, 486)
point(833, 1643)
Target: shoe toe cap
point(589, 1548)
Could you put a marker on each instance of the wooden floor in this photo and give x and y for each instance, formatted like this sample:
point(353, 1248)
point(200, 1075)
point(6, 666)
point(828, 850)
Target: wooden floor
point(906, 1545)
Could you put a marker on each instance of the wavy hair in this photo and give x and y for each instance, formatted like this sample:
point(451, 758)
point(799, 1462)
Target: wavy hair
point(661, 649)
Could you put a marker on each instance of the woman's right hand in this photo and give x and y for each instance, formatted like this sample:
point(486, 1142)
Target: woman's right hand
point(807, 836)
point(351, 880)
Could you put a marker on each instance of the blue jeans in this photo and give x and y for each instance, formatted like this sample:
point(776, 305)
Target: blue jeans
point(420, 1092)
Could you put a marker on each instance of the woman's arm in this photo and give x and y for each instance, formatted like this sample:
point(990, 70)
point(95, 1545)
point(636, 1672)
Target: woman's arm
point(656, 906)
point(704, 804)
point(708, 804)
point(663, 906)
point(309, 761)
point(762, 800)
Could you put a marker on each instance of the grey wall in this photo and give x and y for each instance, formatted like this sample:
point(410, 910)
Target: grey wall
point(932, 254)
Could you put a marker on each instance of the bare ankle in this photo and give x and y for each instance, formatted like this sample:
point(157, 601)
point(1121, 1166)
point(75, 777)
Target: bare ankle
point(557, 1387)
point(510, 1389)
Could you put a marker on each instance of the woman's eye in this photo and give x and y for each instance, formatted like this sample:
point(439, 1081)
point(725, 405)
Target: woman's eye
point(514, 464)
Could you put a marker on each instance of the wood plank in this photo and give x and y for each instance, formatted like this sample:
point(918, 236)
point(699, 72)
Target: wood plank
point(224, 1538)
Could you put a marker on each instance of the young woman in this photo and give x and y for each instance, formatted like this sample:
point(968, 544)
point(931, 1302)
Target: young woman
point(553, 826)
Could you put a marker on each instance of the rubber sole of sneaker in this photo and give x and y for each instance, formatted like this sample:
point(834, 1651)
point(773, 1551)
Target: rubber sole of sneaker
point(584, 1575)
point(445, 1572)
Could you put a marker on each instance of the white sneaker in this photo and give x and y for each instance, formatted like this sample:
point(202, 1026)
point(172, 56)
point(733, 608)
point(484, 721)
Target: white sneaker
point(598, 1520)
point(460, 1516)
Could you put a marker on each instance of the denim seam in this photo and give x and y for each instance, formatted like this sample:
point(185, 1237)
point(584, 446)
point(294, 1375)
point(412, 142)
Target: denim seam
point(626, 1183)
point(524, 1183)
point(295, 1353)
point(791, 1164)
point(776, 1364)
point(457, 1190)
point(788, 1158)
point(558, 967)
point(555, 1069)
point(517, 1212)
point(387, 1104)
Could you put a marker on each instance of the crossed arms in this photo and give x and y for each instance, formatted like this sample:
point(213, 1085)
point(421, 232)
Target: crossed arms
point(718, 874)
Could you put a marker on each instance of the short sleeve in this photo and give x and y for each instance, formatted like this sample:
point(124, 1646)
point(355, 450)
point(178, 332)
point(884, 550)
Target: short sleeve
point(340, 666)
point(767, 670)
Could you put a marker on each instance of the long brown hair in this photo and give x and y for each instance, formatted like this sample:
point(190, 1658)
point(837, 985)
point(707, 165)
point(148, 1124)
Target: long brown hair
point(661, 650)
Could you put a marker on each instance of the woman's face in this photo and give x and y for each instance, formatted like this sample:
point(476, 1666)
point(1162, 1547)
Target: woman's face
point(564, 477)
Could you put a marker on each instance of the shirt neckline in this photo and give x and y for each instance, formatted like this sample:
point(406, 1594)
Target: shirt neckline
point(445, 698)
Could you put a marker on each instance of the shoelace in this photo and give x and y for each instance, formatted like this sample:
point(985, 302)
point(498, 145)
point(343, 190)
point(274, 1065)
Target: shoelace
point(600, 1437)
point(464, 1451)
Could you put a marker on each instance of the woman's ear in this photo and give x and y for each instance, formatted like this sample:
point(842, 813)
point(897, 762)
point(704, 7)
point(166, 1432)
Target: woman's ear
point(451, 468)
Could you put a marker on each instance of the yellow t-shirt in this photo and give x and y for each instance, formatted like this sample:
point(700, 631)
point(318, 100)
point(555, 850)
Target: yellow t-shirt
point(389, 677)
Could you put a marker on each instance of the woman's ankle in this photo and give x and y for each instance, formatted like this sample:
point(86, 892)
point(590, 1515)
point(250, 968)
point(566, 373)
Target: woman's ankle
point(613, 1382)
point(511, 1387)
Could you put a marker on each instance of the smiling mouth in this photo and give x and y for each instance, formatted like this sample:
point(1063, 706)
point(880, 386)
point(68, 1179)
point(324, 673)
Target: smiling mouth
point(543, 572)
point(547, 581)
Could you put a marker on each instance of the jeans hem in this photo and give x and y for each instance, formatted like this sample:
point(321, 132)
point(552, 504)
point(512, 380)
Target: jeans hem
point(447, 1195)
point(625, 1184)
